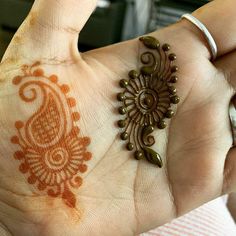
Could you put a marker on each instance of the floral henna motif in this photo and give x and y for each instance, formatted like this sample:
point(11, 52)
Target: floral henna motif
point(52, 152)
point(147, 98)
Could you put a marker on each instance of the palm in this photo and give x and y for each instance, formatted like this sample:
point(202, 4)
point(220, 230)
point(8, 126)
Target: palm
point(194, 167)
point(117, 189)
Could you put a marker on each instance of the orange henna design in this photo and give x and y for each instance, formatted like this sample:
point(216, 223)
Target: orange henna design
point(52, 153)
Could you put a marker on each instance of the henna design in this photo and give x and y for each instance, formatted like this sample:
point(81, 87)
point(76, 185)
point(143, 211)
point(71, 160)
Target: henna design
point(147, 99)
point(52, 152)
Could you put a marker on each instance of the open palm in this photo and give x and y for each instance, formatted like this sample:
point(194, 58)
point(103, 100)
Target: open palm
point(114, 194)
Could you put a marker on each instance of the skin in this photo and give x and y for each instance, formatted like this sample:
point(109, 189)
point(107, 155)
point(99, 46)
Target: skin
point(121, 196)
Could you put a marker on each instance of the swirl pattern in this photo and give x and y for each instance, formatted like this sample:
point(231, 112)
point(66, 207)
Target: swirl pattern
point(147, 99)
point(52, 152)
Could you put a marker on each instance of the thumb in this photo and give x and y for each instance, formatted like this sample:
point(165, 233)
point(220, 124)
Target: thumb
point(67, 15)
point(51, 30)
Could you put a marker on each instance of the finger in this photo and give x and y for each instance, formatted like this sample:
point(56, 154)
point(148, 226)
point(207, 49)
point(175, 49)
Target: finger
point(219, 18)
point(67, 15)
point(51, 29)
point(186, 37)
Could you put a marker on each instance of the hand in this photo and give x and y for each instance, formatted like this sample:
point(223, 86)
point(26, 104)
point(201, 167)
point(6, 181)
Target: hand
point(110, 192)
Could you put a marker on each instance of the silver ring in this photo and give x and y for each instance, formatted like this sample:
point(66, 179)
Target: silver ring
point(204, 30)
point(232, 116)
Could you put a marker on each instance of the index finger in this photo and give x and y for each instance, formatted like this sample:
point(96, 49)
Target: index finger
point(219, 17)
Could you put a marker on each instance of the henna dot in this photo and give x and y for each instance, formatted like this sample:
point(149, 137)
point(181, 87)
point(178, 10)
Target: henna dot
point(87, 156)
point(174, 69)
point(53, 78)
point(133, 74)
point(32, 179)
point(172, 57)
point(166, 47)
point(121, 123)
point(17, 80)
point(38, 72)
point(138, 155)
point(172, 90)
point(15, 140)
point(85, 141)
point(78, 181)
point(76, 130)
point(122, 110)
point(175, 99)
point(130, 146)
point(121, 97)
point(37, 63)
point(75, 116)
point(71, 102)
point(124, 83)
point(25, 67)
point(169, 114)
point(162, 124)
point(173, 79)
point(65, 88)
point(19, 124)
point(41, 186)
point(83, 168)
point(124, 136)
point(19, 155)
point(23, 168)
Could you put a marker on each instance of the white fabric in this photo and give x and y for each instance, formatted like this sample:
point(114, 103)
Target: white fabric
point(211, 219)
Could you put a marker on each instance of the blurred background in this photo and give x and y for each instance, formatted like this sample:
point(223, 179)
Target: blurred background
point(112, 21)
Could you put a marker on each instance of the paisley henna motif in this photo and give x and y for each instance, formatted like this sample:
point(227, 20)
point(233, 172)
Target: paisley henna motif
point(51, 151)
point(147, 98)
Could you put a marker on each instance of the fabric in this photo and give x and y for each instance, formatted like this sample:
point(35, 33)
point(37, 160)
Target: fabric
point(211, 219)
